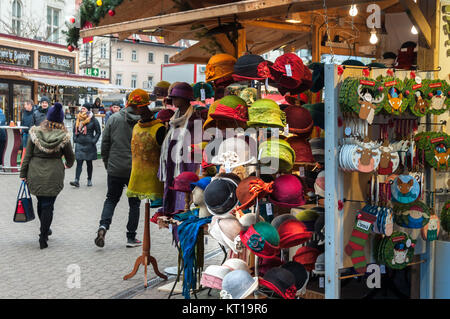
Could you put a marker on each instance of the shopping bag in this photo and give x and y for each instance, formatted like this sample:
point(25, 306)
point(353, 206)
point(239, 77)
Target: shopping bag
point(24, 205)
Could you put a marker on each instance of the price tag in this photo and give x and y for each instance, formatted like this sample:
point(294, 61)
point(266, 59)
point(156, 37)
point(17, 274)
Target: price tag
point(302, 171)
point(170, 227)
point(269, 209)
point(321, 282)
point(288, 70)
point(202, 94)
point(286, 130)
point(383, 269)
point(206, 240)
point(266, 83)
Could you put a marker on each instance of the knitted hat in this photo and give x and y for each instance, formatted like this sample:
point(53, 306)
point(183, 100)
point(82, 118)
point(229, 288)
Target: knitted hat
point(266, 113)
point(238, 284)
point(161, 89)
point(44, 99)
point(246, 68)
point(293, 233)
point(220, 196)
point(165, 115)
point(318, 76)
point(249, 189)
point(307, 256)
point(300, 274)
point(182, 90)
point(202, 183)
point(287, 191)
point(231, 108)
point(208, 91)
point(138, 98)
point(55, 113)
point(299, 119)
point(281, 281)
point(276, 150)
point(262, 239)
point(301, 148)
point(219, 66)
point(88, 106)
point(319, 184)
point(182, 183)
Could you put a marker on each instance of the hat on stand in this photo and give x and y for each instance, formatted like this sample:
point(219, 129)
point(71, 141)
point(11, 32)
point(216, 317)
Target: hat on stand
point(318, 149)
point(249, 219)
point(182, 183)
point(238, 284)
point(226, 231)
point(299, 120)
point(293, 233)
point(302, 149)
point(266, 113)
point(233, 109)
point(213, 276)
point(281, 281)
point(202, 183)
point(265, 264)
point(280, 219)
point(307, 216)
point(249, 95)
point(277, 150)
point(161, 89)
point(165, 115)
point(318, 76)
point(207, 89)
point(233, 152)
point(251, 188)
point(262, 239)
point(219, 66)
point(307, 256)
point(319, 184)
point(300, 274)
point(246, 67)
point(220, 196)
point(287, 191)
point(317, 113)
point(182, 90)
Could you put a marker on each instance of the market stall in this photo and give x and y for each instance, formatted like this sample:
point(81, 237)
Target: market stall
point(315, 197)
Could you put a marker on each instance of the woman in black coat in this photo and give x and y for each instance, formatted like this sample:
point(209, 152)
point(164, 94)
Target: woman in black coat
point(86, 133)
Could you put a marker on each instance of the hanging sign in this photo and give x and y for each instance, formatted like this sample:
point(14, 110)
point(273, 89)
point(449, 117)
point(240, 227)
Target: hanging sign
point(365, 82)
point(56, 62)
point(17, 57)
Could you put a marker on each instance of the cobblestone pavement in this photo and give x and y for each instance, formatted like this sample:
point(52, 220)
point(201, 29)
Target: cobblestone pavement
point(28, 272)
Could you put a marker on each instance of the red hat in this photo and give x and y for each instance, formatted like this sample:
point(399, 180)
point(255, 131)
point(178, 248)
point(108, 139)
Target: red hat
point(299, 120)
point(287, 191)
point(257, 241)
point(307, 256)
point(251, 188)
point(302, 149)
point(296, 99)
point(165, 115)
point(182, 183)
point(293, 233)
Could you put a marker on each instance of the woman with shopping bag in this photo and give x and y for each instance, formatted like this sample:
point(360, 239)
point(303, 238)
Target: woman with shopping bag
point(43, 168)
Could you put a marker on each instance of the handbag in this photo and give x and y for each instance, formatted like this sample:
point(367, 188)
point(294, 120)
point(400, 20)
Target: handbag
point(24, 206)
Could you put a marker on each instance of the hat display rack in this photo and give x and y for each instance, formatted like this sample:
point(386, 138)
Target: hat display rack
point(390, 158)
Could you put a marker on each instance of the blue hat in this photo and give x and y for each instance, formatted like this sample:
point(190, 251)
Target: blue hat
point(202, 183)
point(55, 113)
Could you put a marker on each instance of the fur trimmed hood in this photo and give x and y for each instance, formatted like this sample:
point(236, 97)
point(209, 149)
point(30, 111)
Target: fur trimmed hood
point(49, 141)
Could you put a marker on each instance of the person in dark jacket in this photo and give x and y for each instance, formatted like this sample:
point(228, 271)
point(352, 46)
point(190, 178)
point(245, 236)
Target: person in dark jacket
point(98, 105)
point(43, 168)
point(27, 120)
point(116, 155)
point(86, 133)
point(40, 114)
point(2, 134)
point(114, 109)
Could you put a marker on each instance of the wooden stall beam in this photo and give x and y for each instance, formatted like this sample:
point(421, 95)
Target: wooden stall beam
point(225, 44)
point(277, 26)
point(417, 17)
point(315, 41)
point(241, 42)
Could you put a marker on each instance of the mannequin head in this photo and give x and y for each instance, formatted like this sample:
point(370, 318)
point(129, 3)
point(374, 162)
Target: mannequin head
point(198, 200)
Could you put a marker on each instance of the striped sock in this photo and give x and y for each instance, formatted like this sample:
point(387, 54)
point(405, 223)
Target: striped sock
point(358, 238)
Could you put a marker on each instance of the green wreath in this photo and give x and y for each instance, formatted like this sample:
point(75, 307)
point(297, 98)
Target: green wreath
point(416, 94)
point(402, 220)
point(354, 89)
point(396, 252)
point(394, 101)
point(445, 217)
point(438, 96)
point(436, 147)
point(344, 91)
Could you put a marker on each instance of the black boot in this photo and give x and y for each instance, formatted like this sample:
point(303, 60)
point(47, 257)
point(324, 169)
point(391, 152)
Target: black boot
point(43, 241)
point(75, 183)
point(89, 182)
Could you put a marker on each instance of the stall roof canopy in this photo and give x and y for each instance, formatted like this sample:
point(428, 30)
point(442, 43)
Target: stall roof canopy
point(216, 24)
point(65, 82)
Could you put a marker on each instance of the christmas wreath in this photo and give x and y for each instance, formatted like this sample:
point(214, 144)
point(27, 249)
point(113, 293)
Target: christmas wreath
point(411, 215)
point(445, 217)
point(436, 149)
point(416, 91)
point(394, 101)
point(438, 96)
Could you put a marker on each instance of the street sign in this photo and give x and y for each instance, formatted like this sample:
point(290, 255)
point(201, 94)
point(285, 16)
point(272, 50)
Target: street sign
point(92, 71)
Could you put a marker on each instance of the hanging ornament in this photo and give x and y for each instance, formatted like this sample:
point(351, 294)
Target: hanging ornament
point(390, 72)
point(99, 3)
point(70, 48)
point(111, 12)
point(340, 70)
point(412, 75)
point(366, 72)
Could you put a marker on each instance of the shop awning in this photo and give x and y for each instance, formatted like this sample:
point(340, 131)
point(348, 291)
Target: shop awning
point(73, 83)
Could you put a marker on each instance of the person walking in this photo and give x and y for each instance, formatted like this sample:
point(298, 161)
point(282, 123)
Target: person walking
point(86, 133)
point(27, 121)
point(40, 114)
point(114, 109)
point(43, 167)
point(116, 155)
point(2, 134)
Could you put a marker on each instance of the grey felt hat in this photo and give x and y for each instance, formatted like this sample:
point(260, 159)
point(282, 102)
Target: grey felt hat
point(238, 284)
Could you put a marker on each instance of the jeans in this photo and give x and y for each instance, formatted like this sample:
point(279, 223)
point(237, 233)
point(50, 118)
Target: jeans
point(80, 168)
point(115, 188)
point(24, 140)
point(45, 207)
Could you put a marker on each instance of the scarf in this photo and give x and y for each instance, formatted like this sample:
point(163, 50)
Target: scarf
point(83, 118)
point(180, 123)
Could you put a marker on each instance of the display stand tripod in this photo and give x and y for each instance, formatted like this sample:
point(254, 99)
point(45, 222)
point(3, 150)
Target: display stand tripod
point(145, 259)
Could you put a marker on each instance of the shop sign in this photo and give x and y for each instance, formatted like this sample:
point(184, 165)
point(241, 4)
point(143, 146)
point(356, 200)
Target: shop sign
point(56, 62)
point(18, 57)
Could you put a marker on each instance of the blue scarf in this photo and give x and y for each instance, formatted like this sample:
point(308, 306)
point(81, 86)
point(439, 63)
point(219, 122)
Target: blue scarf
point(187, 233)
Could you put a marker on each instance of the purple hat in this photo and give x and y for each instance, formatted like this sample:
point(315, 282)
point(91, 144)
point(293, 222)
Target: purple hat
point(183, 90)
point(55, 113)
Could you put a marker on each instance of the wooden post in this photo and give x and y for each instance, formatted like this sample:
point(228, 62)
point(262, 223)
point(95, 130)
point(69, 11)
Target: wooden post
point(241, 46)
point(315, 51)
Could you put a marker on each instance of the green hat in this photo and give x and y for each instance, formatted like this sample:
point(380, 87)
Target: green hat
point(233, 109)
point(276, 149)
point(268, 232)
point(209, 91)
point(266, 113)
point(307, 215)
point(249, 95)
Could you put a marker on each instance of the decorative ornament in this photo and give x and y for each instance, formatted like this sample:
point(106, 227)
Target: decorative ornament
point(72, 20)
point(390, 72)
point(340, 70)
point(111, 12)
point(431, 231)
point(366, 72)
point(99, 3)
point(70, 48)
point(436, 146)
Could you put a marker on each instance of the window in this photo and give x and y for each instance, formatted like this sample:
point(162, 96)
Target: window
point(133, 55)
point(103, 74)
point(134, 81)
point(166, 58)
point(103, 50)
point(87, 51)
point(150, 81)
point(118, 79)
point(119, 54)
point(16, 16)
point(150, 57)
point(53, 24)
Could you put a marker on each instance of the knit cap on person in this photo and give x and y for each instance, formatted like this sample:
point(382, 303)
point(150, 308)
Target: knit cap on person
point(55, 113)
